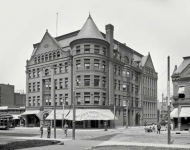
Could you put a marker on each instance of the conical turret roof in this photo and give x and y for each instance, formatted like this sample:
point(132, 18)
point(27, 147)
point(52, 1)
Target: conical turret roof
point(89, 30)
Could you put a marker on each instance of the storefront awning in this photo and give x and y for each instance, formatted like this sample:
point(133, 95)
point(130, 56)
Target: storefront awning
point(185, 112)
point(32, 112)
point(174, 113)
point(91, 114)
point(59, 114)
point(16, 117)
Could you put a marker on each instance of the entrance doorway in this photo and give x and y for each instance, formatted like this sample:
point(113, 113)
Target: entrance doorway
point(137, 119)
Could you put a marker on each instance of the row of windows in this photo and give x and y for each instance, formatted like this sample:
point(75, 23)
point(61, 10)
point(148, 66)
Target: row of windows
point(149, 115)
point(90, 80)
point(96, 49)
point(34, 86)
point(150, 82)
point(149, 92)
point(60, 84)
point(149, 106)
point(134, 102)
point(88, 64)
point(86, 99)
point(58, 68)
point(34, 101)
point(118, 100)
point(47, 57)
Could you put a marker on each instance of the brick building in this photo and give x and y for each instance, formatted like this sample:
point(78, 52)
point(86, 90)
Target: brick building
point(9, 98)
point(106, 73)
point(181, 95)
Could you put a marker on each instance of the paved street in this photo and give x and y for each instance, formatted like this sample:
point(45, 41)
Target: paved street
point(93, 137)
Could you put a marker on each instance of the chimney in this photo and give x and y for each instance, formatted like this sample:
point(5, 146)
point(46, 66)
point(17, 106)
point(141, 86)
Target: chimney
point(109, 37)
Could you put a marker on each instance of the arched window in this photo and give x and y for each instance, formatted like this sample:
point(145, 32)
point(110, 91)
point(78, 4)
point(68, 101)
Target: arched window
point(46, 57)
point(46, 72)
point(43, 58)
point(39, 59)
point(54, 55)
point(35, 59)
point(58, 54)
point(50, 56)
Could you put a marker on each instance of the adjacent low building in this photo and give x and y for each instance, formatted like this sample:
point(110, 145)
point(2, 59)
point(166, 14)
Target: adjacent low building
point(181, 95)
point(103, 76)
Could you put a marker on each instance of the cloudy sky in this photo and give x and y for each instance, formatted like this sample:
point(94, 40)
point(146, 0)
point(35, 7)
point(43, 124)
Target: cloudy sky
point(161, 27)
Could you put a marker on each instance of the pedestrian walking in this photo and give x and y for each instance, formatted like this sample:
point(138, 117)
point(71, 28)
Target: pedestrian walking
point(65, 129)
point(48, 131)
point(105, 126)
point(153, 127)
point(158, 128)
point(41, 130)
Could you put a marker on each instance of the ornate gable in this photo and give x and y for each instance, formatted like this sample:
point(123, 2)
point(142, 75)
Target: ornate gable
point(149, 63)
point(47, 44)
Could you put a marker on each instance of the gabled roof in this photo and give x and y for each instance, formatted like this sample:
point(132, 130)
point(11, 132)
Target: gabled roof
point(184, 64)
point(46, 36)
point(89, 30)
point(144, 59)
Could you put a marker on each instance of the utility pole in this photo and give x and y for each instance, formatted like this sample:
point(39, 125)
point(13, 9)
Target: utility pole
point(162, 111)
point(168, 102)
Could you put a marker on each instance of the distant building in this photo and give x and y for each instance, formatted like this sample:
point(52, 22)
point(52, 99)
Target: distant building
point(106, 73)
point(12, 104)
point(181, 95)
point(9, 98)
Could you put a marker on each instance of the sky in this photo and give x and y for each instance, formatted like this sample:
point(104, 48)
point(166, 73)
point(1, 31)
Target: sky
point(161, 27)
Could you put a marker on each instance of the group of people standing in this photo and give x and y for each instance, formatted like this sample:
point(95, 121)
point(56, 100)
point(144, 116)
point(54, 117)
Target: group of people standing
point(49, 130)
point(158, 126)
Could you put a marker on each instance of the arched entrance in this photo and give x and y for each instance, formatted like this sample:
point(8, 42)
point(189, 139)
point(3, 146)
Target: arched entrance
point(137, 119)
